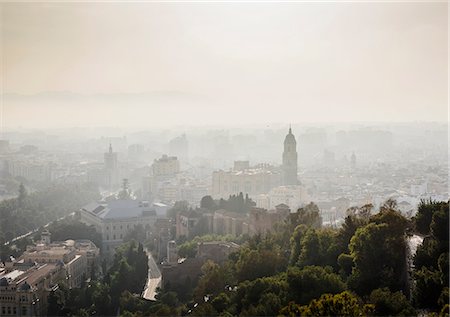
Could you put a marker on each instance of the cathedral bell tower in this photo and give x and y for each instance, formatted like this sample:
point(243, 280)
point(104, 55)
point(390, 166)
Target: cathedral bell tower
point(289, 168)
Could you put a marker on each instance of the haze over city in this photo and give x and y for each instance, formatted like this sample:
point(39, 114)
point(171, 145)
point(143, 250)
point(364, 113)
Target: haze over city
point(224, 158)
point(164, 64)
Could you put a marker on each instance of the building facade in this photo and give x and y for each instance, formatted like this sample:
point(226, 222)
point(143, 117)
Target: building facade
point(24, 289)
point(114, 219)
point(166, 166)
point(78, 258)
point(252, 181)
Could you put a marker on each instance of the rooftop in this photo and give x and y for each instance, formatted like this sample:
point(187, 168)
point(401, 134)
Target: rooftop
point(118, 209)
point(31, 276)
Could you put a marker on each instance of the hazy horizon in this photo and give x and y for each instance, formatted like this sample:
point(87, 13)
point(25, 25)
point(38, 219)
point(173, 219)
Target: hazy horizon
point(160, 65)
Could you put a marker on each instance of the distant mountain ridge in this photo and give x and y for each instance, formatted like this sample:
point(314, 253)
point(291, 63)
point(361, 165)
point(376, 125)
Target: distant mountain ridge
point(120, 96)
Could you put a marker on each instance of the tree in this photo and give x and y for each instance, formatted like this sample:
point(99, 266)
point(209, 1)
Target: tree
point(311, 282)
point(237, 203)
point(376, 263)
point(424, 216)
point(266, 260)
point(296, 242)
point(431, 259)
point(428, 288)
point(261, 297)
point(178, 207)
point(310, 250)
point(74, 230)
point(343, 304)
point(387, 303)
point(351, 223)
point(221, 302)
point(208, 203)
point(42, 206)
point(213, 280)
point(188, 249)
point(308, 215)
point(439, 227)
point(345, 262)
point(55, 306)
point(379, 254)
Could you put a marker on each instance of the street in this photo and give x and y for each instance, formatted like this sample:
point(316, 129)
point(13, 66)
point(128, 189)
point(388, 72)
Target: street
point(153, 279)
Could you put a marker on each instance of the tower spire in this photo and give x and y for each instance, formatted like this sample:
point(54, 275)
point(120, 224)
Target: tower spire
point(289, 167)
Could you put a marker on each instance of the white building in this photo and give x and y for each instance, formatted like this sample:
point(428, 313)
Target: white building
point(114, 219)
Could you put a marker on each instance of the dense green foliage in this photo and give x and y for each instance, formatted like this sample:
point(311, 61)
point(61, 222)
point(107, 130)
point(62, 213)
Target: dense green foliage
point(28, 212)
point(235, 203)
point(74, 230)
point(431, 272)
point(425, 214)
point(343, 304)
point(302, 269)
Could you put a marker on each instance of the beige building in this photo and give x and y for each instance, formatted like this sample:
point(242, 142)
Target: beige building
point(292, 195)
point(261, 220)
point(217, 251)
point(252, 181)
point(186, 223)
point(166, 166)
point(78, 258)
point(227, 222)
point(24, 289)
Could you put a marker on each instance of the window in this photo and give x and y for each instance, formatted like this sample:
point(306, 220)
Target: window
point(114, 227)
point(107, 237)
point(114, 237)
point(24, 310)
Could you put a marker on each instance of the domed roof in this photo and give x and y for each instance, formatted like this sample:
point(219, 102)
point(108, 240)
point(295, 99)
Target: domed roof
point(289, 137)
point(24, 287)
point(3, 281)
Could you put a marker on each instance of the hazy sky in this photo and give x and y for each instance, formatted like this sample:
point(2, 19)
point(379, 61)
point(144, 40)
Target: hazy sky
point(200, 63)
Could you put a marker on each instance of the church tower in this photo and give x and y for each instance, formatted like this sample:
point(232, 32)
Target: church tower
point(110, 164)
point(289, 168)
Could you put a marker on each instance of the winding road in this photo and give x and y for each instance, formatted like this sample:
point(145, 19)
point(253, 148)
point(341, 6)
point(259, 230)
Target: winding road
point(153, 278)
